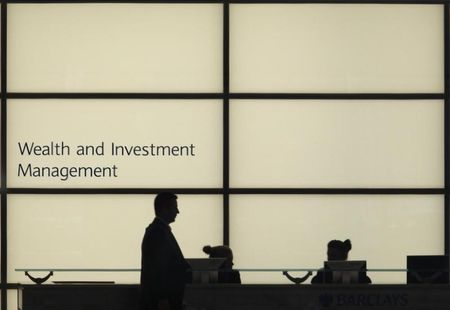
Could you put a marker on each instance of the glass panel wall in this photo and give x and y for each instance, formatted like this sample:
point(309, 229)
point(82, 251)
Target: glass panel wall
point(115, 47)
point(357, 143)
point(121, 143)
point(12, 300)
point(289, 231)
point(99, 232)
point(342, 48)
point(92, 75)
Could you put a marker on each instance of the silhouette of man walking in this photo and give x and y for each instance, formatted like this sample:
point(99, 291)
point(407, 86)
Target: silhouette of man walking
point(163, 267)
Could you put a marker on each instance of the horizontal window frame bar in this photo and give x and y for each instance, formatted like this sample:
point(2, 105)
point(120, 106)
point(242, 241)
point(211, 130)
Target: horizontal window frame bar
point(340, 96)
point(237, 1)
point(232, 96)
point(337, 2)
point(114, 1)
point(187, 96)
point(338, 191)
point(231, 191)
point(113, 191)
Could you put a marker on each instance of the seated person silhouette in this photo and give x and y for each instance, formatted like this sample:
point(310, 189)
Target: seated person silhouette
point(337, 251)
point(227, 274)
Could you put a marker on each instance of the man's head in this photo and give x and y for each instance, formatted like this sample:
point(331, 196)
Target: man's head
point(166, 206)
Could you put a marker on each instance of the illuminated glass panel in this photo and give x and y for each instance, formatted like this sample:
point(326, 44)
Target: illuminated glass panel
point(340, 48)
point(115, 47)
point(295, 143)
point(292, 231)
point(12, 300)
point(157, 143)
point(99, 231)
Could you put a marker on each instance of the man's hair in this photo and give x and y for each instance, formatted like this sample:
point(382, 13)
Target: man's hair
point(162, 200)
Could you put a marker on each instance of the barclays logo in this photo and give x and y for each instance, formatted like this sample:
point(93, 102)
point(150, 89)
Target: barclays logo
point(368, 300)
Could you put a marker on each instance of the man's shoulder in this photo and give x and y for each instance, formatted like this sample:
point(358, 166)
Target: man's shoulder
point(157, 224)
point(155, 227)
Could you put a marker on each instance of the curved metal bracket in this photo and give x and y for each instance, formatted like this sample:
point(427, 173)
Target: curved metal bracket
point(428, 280)
point(297, 280)
point(39, 280)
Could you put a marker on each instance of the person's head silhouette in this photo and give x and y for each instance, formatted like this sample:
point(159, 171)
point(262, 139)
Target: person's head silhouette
point(338, 250)
point(220, 251)
point(166, 207)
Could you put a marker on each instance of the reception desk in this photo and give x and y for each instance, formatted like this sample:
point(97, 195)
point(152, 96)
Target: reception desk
point(241, 297)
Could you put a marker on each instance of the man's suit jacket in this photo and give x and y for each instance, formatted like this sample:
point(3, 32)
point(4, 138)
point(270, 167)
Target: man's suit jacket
point(163, 267)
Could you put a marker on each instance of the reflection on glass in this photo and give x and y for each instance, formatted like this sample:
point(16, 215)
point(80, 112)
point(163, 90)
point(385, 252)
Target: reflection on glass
point(272, 231)
point(131, 143)
point(99, 231)
point(308, 143)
